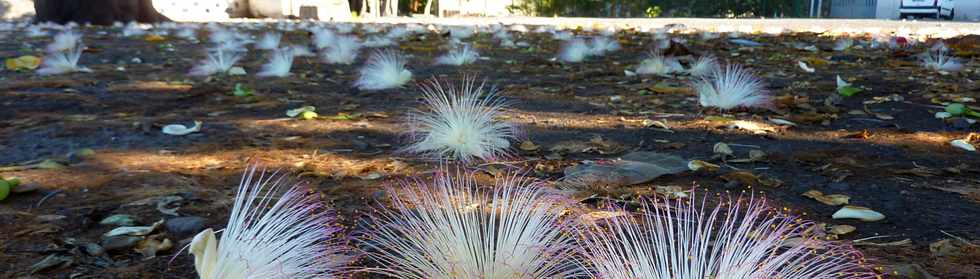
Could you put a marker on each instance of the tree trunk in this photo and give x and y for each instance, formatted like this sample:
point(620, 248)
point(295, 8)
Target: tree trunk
point(428, 7)
point(392, 7)
point(98, 12)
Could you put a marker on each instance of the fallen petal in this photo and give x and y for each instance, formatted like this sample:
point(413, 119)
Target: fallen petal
point(858, 212)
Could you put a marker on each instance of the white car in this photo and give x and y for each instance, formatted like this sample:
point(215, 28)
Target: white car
point(927, 8)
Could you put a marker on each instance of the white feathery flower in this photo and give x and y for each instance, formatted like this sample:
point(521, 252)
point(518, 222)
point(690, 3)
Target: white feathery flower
point(461, 32)
point(657, 64)
point(35, 31)
point(64, 41)
point(939, 60)
point(343, 28)
point(508, 44)
point(279, 64)
point(519, 28)
point(343, 51)
point(169, 25)
point(452, 228)
point(133, 29)
point(686, 239)
point(461, 123)
point(269, 41)
point(218, 61)
point(730, 88)
point(397, 33)
point(377, 41)
point(502, 35)
point(63, 61)
point(370, 29)
point(186, 33)
point(220, 35)
point(562, 35)
point(322, 37)
point(608, 32)
point(708, 35)
point(661, 44)
point(843, 44)
point(385, 69)
point(458, 56)
point(602, 45)
point(704, 66)
point(231, 46)
point(300, 51)
point(290, 236)
point(574, 51)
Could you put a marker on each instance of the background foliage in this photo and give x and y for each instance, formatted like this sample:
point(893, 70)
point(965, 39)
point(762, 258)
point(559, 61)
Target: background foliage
point(666, 8)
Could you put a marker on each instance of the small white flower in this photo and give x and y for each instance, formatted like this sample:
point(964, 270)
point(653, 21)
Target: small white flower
point(385, 69)
point(574, 51)
point(377, 41)
point(397, 33)
point(344, 50)
point(502, 35)
point(704, 66)
point(322, 38)
point(343, 28)
point(706, 36)
point(279, 64)
point(269, 41)
point(939, 60)
point(218, 61)
point(461, 32)
point(458, 56)
point(63, 61)
point(133, 29)
point(300, 51)
point(189, 34)
point(519, 28)
point(64, 41)
point(806, 68)
point(602, 45)
point(657, 64)
point(35, 31)
point(731, 88)
point(370, 29)
point(220, 35)
point(843, 44)
point(562, 35)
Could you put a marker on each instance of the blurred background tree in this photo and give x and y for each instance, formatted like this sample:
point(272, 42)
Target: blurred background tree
point(663, 8)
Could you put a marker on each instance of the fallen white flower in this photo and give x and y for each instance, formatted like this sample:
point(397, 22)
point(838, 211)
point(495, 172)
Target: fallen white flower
point(858, 212)
point(180, 129)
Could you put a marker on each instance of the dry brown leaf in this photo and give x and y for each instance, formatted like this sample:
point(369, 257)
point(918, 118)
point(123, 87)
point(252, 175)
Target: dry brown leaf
point(833, 200)
point(742, 177)
point(529, 145)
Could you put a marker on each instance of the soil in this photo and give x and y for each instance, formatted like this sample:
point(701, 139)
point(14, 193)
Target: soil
point(903, 166)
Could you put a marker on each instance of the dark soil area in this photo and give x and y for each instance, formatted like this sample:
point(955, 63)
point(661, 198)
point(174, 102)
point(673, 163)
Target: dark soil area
point(882, 147)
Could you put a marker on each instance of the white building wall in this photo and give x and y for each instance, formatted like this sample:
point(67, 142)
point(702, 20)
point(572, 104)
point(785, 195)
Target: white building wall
point(193, 10)
point(326, 9)
point(476, 7)
point(968, 10)
point(12, 9)
point(888, 9)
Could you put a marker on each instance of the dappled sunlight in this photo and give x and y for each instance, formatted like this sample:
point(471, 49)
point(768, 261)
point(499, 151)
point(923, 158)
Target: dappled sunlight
point(681, 126)
point(278, 126)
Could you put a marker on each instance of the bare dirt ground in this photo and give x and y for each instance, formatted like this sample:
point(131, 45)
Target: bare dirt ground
point(882, 147)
